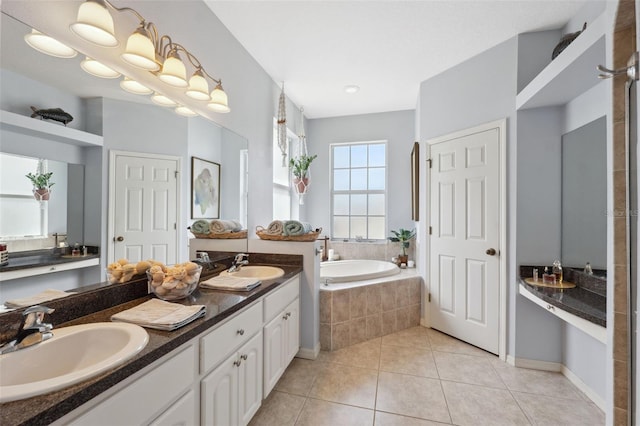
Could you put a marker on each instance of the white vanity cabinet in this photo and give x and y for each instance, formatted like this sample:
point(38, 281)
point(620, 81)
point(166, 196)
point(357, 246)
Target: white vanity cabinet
point(281, 332)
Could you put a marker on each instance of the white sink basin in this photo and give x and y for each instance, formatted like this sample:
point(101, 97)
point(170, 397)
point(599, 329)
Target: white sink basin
point(260, 272)
point(73, 354)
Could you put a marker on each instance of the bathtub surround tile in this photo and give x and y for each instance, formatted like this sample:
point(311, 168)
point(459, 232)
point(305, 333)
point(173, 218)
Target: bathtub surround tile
point(403, 293)
point(340, 307)
point(346, 385)
point(323, 413)
point(279, 409)
point(544, 410)
point(374, 326)
point(415, 313)
point(411, 337)
point(403, 318)
point(389, 322)
point(412, 396)
point(374, 299)
point(408, 360)
point(477, 405)
point(325, 306)
point(299, 377)
point(357, 330)
point(340, 335)
point(388, 419)
point(358, 302)
point(325, 337)
point(364, 355)
point(388, 295)
point(467, 369)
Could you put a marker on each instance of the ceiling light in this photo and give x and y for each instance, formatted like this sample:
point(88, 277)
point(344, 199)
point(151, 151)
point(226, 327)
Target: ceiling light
point(140, 51)
point(184, 111)
point(132, 86)
point(162, 100)
point(219, 101)
point(351, 89)
point(173, 71)
point(98, 69)
point(95, 24)
point(198, 87)
point(48, 45)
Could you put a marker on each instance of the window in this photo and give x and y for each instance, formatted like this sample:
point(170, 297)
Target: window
point(283, 207)
point(358, 190)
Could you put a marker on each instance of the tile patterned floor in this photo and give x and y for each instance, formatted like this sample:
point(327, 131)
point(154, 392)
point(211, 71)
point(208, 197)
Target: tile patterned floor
point(421, 377)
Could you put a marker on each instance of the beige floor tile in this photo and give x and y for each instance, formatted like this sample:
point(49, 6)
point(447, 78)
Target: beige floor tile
point(388, 419)
point(407, 360)
point(467, 369)
point(536, 381)
point(299, 376)
point(365, 355)
point(411, 396)
point(323, 413)
point(346, 385)
point(545, 410)
point(478, 405)
point(413, 337)
point(444, 343)
point(279, 409)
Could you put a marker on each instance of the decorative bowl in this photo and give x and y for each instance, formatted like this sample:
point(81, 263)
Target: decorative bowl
point(174, 282)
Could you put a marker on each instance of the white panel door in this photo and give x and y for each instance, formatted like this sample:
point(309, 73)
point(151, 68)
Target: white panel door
point(465, 221)
point(274, 335)
point(219, 399)
point(292, 331)
point(146, 209)
point(250, 379)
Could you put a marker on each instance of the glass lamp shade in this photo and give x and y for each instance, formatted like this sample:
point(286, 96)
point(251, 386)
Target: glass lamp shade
point(48, 45)
point(173, 71)
point(162, 100)
point(132, 86)
point(219, 101)
point(140, 51)
point(186, 112)
point(198, 87)
point(98, 69)
point(95, 24)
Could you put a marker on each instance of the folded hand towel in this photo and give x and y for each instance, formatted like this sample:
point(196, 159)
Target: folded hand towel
point(43, 296)
point(218, 226)
point(200, 227)
point(294, 228)
point(227, 282)
point(161, 315)
point(276, 227)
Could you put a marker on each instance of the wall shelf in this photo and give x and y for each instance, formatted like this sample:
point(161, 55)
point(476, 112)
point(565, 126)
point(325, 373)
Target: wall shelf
point(571, 73)
point(17, 123)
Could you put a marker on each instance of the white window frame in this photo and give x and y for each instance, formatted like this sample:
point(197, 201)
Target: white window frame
point(292, 139)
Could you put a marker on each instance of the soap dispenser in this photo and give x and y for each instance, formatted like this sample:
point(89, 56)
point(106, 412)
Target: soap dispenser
point(557, 271)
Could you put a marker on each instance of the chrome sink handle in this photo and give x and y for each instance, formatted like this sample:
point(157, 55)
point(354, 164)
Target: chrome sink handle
point(32, 330)
point(33, 317)
point(240, 260)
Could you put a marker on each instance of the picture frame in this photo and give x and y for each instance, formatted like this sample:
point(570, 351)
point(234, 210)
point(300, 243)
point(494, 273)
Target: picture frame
point(415, 182)
point(205, 189)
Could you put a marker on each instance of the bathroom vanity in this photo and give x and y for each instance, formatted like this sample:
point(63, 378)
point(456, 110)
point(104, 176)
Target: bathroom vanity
point(215, 370)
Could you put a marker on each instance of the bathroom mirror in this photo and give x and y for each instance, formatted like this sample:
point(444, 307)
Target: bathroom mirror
point(584, 196)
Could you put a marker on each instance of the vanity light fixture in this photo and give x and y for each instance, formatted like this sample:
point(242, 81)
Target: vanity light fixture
point(49, 45)
point(174, 73)
point(162, 100)
point(95, 24)
point(198, 87)
point(132, 86)
point(219, 101)
point(140, 51)
point(98, 69)
point(184, 111)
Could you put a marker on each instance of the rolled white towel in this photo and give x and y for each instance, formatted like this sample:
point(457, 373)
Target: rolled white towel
point(276, 227)
point(219, 226)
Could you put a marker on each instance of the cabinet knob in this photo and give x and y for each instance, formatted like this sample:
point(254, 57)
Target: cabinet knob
point(244, 357)
point(550, 307)
point(288, 314)
point(241, 331)
point(237, 363)
point(284, 317)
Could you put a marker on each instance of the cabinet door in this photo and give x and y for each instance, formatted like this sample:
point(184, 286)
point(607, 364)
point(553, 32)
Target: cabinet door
point(250, 379)
point(292, 331)
point(219, 400)
point(273, 352)
point(181, 413)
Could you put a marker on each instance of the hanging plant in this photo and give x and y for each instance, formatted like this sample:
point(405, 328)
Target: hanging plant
point(300, 169)
point(41, 185)
point(282, 127)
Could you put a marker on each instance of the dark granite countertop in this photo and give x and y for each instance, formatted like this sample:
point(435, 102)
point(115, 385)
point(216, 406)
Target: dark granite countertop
point(37, 258)
point(579, 301)
point(47, 408)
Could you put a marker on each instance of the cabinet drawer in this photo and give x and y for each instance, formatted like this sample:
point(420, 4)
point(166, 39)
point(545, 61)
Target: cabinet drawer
point(229, 336)
point(276, 302)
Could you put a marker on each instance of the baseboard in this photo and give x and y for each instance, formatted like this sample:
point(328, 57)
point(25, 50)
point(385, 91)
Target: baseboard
point(309, 353)
point(534, 364)
point(577, 382)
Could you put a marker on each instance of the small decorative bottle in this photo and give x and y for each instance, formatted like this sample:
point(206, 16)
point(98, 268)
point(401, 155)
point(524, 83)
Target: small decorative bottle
point(587, 269)
point(557, 271)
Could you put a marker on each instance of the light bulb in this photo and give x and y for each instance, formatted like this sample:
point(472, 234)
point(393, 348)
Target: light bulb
point(173, 71)
point(95, 24)
point(198, 87)
point(219, 100)
point(140, 51)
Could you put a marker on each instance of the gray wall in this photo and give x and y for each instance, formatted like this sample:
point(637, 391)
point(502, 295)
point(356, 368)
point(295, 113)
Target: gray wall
point(397, 128)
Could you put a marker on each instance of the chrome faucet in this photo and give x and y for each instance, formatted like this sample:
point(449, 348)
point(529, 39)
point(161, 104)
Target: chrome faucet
point(239, 261)
point(32, 330)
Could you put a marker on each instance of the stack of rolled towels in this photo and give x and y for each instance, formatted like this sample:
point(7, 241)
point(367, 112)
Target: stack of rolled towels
point(288, 228)
point(216, 226)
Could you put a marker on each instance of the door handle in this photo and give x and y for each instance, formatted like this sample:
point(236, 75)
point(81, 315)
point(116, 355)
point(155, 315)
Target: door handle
point(491, 252)
point(119, 239)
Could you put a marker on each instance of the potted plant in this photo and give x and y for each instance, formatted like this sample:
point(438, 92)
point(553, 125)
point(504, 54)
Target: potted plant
point(41, 185)
point(300, 169)
point(403, 236)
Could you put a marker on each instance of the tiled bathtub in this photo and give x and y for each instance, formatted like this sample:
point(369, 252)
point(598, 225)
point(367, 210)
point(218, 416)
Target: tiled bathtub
point(361, 312)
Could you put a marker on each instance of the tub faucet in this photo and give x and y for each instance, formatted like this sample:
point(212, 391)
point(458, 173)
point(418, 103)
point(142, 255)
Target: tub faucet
point(240, 260)
point(32, 330)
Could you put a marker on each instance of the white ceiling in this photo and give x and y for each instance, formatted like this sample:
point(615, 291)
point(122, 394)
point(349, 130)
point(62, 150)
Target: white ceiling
point(385, 47)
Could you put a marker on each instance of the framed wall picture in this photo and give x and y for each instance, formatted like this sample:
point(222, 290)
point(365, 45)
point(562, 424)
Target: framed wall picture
point(205, 189)
point(415, 182)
